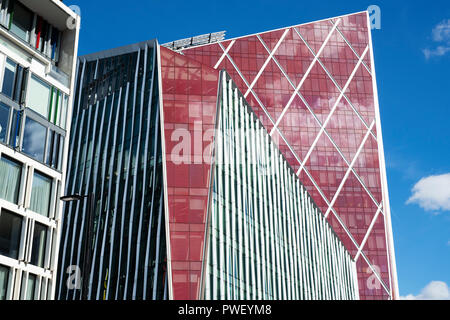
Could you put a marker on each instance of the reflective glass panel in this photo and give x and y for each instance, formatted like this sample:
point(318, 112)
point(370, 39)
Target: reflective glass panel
point(10, 173)
point(4, 117)
point(38, 96)
point(34, 137)
point(40, 194)
point(39, 244)
point(10, 231)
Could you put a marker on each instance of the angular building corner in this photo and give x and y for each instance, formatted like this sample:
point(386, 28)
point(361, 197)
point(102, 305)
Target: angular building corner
point(247, 168)
point(38, 56)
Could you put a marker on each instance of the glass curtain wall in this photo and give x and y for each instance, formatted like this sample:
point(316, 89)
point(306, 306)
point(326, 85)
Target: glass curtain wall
point(116, 154)
point(267, 238)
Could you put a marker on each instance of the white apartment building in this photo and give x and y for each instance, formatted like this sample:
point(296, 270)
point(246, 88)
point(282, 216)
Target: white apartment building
point(38, 54)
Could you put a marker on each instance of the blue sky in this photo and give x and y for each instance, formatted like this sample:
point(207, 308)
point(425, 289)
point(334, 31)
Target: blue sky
point(412, 57)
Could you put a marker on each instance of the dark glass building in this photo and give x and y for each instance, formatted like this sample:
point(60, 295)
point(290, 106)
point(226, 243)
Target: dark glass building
point(115, 154)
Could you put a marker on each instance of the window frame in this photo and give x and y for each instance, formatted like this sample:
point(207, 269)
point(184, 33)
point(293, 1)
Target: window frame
point(50, 209)
point(45, 245)
point(29, 113)
point(20, 236)
point(21, 177)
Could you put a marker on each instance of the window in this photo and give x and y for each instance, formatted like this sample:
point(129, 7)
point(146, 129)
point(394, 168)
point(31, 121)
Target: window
point(10, 173)
point(38, 96)
point(31, 28)
point(4, 118)
point(31, 287)
point(34, 137)
point(10, 233)
point(15, 128)
point(4, 275)
point(39, 244)
point(14, 81)
point(46, 100)
point(40, 194)
point(54, 150)
point(8, 78)
point(21, 21)
point(63, 118)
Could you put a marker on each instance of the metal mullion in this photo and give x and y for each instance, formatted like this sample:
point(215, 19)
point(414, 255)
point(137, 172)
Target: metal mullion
point(262, 198)
point(264, 230)
point(318, 255)
point(156, 133)
point(275, 247)
point(335, 273)
point(85, 203)
point(236, 184)
point(304, 251)
point(229, 193)
point(129, 166)
point(111, 169)
point(328, 239)
point(312, 234)
point(146, 151)
point(295, 229)
point(241, 146)
point(284, 219)
point(292, 247)
point(268, 213)
point(98, 144)
point(277, 271)
point(265, 223)
point(125, 103)
point(220, 217)
point(252, 199)
point(298, 213)
point(102, 188)
point(158, 246)
point(256, 211)
point(247, 205)
point(82, 205)
point(136, 168)
point(225, 216)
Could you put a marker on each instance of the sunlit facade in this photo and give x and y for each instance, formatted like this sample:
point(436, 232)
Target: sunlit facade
point(293, 205)
point(38, 45)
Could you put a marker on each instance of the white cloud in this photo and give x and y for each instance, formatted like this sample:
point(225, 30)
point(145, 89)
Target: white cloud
point(442, 31)
point(438, 52)
point(432, 193)
point(440, 34)
point(435, 290)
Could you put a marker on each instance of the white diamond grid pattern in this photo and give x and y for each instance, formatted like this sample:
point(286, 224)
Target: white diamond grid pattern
point(323, 130)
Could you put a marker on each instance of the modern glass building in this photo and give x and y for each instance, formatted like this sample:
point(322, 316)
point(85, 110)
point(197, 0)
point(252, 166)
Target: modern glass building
point(249, 168)
point(115, 154)
point(38, 45)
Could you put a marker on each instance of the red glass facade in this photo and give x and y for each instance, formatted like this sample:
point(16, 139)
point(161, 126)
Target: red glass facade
point(189, 93)
point(312, 86)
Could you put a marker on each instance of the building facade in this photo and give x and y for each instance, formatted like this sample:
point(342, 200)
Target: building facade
point(115, 154)
point(249, 168)
point(38, 45)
